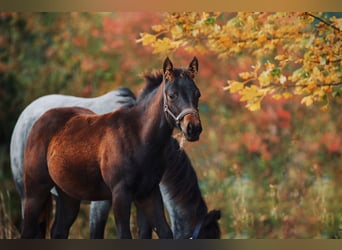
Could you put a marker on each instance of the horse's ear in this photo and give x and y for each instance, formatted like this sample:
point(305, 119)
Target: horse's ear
point(168, 69)
point(193, 67)
point(213, 215)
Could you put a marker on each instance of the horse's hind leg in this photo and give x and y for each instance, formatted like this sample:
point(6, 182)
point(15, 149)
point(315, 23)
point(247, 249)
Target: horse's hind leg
point(37, 205)
point(99, 211)
point(67, 209)
point(36, 215)
point(45, 217)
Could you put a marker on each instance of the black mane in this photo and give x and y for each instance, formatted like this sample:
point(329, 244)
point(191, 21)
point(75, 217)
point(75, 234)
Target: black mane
point(155, 78)
point(153, 81)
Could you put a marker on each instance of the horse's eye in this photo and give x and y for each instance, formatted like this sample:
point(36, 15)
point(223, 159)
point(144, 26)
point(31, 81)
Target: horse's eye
point(172, 96)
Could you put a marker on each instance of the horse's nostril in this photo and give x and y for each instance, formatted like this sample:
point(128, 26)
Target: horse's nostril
point(190, 129)
point(193, 129)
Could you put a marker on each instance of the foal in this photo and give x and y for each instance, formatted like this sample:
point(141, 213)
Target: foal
point(120, 154)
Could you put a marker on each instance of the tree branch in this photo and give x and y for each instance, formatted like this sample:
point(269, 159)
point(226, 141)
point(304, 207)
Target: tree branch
point(306, 85)
point(323, 21)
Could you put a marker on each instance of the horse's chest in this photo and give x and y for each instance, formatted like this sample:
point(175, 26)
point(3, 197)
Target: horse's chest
point(141, 168)
point(147, 166)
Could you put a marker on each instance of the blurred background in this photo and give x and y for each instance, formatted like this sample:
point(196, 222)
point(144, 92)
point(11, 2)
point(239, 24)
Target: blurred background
point(273, 173)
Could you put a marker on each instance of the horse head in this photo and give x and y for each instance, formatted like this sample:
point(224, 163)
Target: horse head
point(209, 227)
point(181, 97)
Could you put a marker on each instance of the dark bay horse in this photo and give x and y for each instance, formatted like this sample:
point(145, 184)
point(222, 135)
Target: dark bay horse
point(117, 156)
point(187, 209)
point(182, 197)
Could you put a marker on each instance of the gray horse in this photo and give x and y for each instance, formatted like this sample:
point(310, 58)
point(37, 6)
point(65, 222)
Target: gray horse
point(185, 221)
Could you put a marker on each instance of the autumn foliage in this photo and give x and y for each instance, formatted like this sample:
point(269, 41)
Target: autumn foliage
point(274, 173)
point(292, 53)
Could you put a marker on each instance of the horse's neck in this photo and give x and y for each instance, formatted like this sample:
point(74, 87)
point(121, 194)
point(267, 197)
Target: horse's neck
point(181, 194)
point(154, 125)
point(183, 217)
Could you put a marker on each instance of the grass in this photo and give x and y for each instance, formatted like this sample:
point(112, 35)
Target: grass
point(7, 229)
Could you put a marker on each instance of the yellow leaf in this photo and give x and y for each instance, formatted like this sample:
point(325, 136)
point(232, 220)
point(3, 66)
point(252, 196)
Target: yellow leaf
point(269, 65)
point(317, 74)
point(157, 28)
point(281, 57)
point(307, 100)
point(163, 45)
point(287, 95)
point(250, 21)
point(250, 93)
point(147, 39)
point(245, 75)
point(177, 32)
point(235, 86)
point(311, 86)
point(319, 92)
point(261, 39)
point(265, 78)
point(325, 107)
point(254, 106)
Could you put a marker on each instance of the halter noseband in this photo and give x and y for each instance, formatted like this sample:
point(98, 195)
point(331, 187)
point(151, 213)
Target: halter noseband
point(181, 115)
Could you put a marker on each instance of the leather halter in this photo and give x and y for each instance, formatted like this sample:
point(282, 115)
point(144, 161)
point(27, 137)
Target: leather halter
point(181, 115)
point(197, 230)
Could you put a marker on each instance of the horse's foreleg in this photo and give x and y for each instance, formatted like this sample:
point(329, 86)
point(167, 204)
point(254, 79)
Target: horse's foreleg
point(153, 209)
point(144, 227)
point(66, 212)
point(121, 202)
point(98, 217)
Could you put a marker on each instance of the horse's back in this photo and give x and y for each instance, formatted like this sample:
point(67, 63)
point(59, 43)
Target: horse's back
point(53, 120)
point(113, 100)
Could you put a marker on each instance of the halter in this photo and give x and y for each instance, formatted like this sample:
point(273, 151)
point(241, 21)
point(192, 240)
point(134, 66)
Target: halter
point(181, 115)
point(197, 230)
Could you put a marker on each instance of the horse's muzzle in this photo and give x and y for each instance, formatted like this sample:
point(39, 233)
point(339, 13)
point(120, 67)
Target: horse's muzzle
point(191, 127)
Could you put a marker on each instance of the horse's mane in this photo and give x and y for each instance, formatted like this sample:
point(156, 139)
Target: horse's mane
point(180, 179)
point(153, 80)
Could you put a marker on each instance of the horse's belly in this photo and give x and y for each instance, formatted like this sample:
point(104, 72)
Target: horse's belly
point(82, 180)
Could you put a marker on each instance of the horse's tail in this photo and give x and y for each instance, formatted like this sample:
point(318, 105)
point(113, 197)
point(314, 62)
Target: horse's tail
point(45, 217)
point(124, 91)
